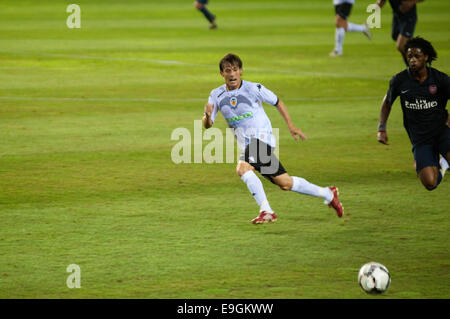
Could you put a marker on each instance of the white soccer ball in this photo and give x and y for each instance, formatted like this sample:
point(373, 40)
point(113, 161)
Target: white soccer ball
point(374, 278)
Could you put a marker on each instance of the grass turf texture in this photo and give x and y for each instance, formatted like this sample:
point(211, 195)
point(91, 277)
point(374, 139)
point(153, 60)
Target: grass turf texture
point(86, 175)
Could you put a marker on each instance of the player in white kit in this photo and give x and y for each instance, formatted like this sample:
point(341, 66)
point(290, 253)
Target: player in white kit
point(342, 10)
point(240, 103)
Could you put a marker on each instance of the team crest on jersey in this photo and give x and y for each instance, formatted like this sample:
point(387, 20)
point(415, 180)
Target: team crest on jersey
point(233, 101)
point(432, 88)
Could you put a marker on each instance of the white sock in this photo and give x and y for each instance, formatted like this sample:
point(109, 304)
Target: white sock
point(256, 188)
point(302, 186)
point(444, 165)
point(351, 27)
point(339, 39)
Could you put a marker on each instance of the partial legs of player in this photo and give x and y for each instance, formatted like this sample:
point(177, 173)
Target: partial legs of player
point(302, 186)
point(200, 5)
point(431, 176)
point(255, 186)
point(343, 26)
point(287, 183)
point(400, 44)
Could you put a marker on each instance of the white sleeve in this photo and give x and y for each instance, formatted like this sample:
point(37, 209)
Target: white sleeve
point(266, 95)
point(212, 100)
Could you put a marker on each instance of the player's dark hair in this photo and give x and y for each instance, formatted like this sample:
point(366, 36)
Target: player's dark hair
point(231, 59)
point(424, 46)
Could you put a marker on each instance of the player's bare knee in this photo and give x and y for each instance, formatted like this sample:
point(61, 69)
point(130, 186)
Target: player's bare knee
point(198, 5)
point(339, 22)
point(284, 183)
point(241, 171)
point(430, 186)
point(285, 187)
point(287, 184)
point(243, 167)
point(429, 183)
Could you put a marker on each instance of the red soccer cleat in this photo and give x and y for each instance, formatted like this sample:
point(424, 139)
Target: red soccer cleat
point(264, 217)
point(335, 201)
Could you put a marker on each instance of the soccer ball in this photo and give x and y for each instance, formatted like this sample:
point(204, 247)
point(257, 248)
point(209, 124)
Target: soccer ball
point(374, 278)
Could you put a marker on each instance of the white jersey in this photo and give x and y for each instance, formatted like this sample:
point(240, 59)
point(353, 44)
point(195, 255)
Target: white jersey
point(242, 109)
point(336, 2)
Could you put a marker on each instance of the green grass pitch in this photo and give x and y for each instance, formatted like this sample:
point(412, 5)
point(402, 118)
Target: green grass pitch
point(86, 175)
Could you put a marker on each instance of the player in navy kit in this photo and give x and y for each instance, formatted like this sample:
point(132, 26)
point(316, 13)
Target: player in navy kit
point(240, 103)
point(423, 92)
point(403, 22)
point(200, 5)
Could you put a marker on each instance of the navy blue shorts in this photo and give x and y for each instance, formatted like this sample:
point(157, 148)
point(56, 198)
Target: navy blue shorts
point(343, 10)
point(404, 26)
point(261, 156)
point(205, 2)
point(428, 154)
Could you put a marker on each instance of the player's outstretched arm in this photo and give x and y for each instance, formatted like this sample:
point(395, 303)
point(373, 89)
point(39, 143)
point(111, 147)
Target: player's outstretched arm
point(295, 132)
point(207, 122)
point(384, 115)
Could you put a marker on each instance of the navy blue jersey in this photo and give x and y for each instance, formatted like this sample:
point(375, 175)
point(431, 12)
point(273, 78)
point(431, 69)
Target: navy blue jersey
point(423, 104)
point(395, 4)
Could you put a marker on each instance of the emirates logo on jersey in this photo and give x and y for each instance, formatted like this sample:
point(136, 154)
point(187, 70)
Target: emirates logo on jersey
point(233, 101)
point(432, 88)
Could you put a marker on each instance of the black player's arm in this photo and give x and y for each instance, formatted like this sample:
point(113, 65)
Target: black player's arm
point(384, 115)
point(206, 120)
point(385, 110)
